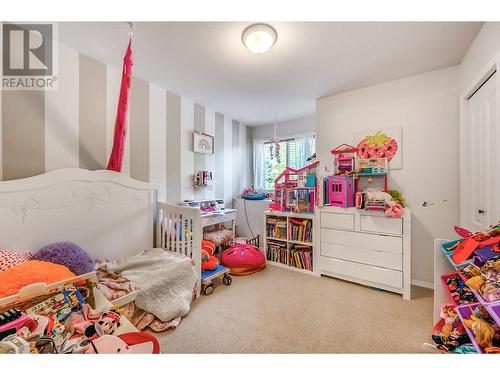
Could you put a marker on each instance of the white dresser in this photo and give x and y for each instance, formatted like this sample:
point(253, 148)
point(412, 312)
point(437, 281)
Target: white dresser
point(365, 247)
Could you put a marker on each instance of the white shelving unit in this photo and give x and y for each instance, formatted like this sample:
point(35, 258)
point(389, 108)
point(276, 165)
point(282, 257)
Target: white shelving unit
point(288, 242)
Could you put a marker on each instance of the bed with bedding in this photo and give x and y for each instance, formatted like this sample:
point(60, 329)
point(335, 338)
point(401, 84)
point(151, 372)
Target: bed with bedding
point(148, 252)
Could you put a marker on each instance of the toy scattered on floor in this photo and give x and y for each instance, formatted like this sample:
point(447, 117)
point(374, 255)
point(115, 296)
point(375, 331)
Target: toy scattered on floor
point(128, 343)
point(243, 259)
point(208, 261)
point(64, 322)
point(14, 344)
point(106, 325)
point(208, 277)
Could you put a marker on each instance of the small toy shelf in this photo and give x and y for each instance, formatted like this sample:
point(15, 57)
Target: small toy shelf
point(289, 241)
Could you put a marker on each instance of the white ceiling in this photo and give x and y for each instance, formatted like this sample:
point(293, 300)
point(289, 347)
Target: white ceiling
point(208, 63)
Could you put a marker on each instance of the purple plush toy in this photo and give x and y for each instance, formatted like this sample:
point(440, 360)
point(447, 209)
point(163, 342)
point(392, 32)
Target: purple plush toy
point(67, 254)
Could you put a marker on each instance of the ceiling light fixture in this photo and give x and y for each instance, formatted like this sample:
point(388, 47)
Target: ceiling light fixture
point(259, 38)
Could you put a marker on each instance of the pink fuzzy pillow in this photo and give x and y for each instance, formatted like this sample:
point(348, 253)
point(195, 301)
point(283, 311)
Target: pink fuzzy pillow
point(11, 258)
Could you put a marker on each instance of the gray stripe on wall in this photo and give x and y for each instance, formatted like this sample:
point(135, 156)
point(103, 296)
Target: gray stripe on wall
point(199, 159)
point(173, 148)
point(219, 156)
point(139, 130)
point(92, 118)
point(249, 153)
point(236, 158)
point(23, 133)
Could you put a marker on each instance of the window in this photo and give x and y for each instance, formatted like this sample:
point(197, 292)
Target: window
point(293, 153)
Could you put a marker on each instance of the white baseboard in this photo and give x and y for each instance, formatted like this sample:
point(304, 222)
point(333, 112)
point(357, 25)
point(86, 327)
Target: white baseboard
point(423, 284)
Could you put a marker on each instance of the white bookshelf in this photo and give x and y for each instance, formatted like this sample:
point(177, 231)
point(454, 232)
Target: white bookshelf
point(288, 242)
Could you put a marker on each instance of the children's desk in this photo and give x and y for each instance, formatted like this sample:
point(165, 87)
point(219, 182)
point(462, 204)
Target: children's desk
point(213, 218)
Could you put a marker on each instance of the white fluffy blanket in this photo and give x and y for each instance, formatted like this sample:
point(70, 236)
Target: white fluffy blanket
point(166, 281)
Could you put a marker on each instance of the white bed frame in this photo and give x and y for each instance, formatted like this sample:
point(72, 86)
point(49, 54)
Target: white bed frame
point(106, 213)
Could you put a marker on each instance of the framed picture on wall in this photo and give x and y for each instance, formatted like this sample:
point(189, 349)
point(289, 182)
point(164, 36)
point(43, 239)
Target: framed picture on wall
point(203, 143)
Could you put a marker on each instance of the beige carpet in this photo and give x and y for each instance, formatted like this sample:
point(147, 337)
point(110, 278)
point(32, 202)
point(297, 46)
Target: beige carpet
point(282, 311)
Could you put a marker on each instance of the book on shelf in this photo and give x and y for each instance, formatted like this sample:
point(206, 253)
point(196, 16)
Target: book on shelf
point(276, 227)
point(298, 256)
point(301, 230)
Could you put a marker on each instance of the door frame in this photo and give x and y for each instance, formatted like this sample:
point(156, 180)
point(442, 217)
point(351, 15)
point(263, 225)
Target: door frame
point(492, 66)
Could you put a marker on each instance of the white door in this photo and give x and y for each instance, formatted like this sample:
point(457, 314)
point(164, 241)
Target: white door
point(483, 140)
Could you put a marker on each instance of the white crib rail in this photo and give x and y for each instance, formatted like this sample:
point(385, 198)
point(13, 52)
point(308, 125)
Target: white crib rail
point(179, 230)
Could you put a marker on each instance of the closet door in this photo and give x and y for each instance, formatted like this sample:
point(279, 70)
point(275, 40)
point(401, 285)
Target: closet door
point(483, 142)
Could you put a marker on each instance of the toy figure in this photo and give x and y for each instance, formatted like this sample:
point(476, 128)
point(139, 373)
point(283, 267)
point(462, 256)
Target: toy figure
point(106, 325)
point(208, 261)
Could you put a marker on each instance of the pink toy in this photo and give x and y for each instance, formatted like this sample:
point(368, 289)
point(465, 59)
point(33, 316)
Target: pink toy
point(345, 158)
point(286, 189)
point(340, 191)
point(133, 343)
point(395, 211)
point(462, 232)
point(15, 320)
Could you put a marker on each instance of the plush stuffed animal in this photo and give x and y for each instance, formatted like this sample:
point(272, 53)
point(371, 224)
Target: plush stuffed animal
point(395, 211)
point(208, 261)
point(208, 246)
point(106, 325)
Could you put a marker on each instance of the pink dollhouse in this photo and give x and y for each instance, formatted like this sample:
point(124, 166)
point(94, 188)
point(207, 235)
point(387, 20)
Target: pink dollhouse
point(340, 191)
point(295, 190)
point(345, 158)
point(340, 188)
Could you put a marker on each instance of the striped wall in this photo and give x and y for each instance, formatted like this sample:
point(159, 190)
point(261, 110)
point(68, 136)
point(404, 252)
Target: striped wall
point(73, 127)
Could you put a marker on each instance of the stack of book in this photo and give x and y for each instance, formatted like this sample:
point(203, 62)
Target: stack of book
point(300, 257)
point(277, 252)
point(276, 227)
point(301, 230)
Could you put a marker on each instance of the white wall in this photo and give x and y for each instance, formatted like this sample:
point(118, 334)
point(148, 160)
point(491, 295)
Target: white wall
point(483, 49)
point(285, 128)
point(426, 106)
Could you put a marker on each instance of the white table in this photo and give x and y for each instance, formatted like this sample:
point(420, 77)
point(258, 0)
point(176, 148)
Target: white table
point(229, 214)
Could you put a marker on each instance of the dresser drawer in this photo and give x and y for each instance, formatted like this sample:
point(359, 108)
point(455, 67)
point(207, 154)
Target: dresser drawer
point(381, 224)
point(362, 272)
point(384, 259)
point(363, 240)
point(337, 220)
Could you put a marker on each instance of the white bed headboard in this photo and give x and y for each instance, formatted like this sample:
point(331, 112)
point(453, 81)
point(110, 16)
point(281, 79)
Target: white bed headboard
point(106, 213)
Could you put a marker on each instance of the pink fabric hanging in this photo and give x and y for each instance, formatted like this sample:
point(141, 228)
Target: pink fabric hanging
point(116, 157)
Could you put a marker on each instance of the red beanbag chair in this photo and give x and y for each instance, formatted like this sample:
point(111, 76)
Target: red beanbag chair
point(243, 259)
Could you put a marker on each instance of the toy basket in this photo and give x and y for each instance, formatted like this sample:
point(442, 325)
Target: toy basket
point(445, 248)
point(478, 262)
point(446, 343)
point(461, 272)
point(494, 310)
point(462, 295)
point(464, 312)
